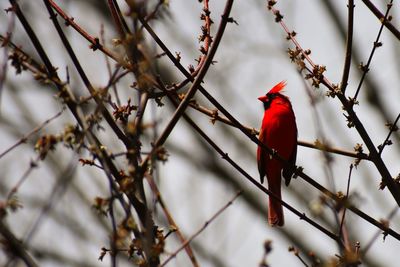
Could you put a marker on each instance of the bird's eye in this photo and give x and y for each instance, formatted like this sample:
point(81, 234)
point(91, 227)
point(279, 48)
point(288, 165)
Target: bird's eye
point(270, 97)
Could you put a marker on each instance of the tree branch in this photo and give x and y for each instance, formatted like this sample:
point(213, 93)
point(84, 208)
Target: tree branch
point(380, 16)
point(15, 246)
point(196, 83)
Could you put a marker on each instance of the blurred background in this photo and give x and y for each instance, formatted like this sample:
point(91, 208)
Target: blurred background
point(57, 222)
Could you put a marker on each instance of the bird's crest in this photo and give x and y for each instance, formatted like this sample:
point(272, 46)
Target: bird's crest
point(277, 88)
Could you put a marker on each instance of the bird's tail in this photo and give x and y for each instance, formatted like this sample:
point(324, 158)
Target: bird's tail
point(275, 210)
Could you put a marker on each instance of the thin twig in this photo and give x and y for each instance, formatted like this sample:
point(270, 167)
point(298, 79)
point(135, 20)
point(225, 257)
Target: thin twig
point(37, 129)
point(15, 246)
point(198, 232)
point(380, 16)
point(350, 207)
point(116, 18)
point(326, 156)
point(4, 65)
point(392, 128)
point(378, 233)
point(153, 14)
point(110, 73)
point(321, 135)
point(33, 164)
point(171, 220)
point(113, 237)
point(205, 37)
point(94, 41)
point(297, 254)
point(120, 16)
point(371, 85)
point(376, 44)
point(302, 260)
point(342, 231)
point(349, 45)
point(63, 181)
point(330, 149)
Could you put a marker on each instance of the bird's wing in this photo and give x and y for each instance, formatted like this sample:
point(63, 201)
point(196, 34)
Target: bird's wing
point(261, 156)
point(288, 172)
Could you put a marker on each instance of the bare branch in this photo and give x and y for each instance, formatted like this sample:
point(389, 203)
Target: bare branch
point(94, 41)
point(198, 232)
point(197, 82)
point(34, 131)
point(380, 16)
point(376, 44)
point(15, 246)
point(349, 46)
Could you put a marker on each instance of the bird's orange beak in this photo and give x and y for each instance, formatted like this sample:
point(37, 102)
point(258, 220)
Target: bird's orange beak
point(263, 98)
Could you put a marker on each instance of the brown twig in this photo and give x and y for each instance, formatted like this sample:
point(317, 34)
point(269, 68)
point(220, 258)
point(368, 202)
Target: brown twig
point(350, 207)
point(136, 56)
point(5, 41)
point(342, 230)
point(95, 44)
point(198, 232)
point(171, 220)
point(15, 246)
point(120, 16)
point(33, 165)
point(378, 233)
point(113, 243)
point(63, 180)
point(330, 149)
point(392, 128)
point(349, 46)
point(153, 14)
point(376, 44)
point(297, 254)
point(380, 16)
point(116, 17)
point(205, 37)
point(37, 129)
point(110, 73)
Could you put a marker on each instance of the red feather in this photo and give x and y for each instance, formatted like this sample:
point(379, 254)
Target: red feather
point(277, 87)
point(278, 132)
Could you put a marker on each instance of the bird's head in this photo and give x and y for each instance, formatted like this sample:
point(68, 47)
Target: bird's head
point(272, 94)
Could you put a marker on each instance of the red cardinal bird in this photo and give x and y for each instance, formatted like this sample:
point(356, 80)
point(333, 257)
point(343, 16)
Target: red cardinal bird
point(278, 132)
